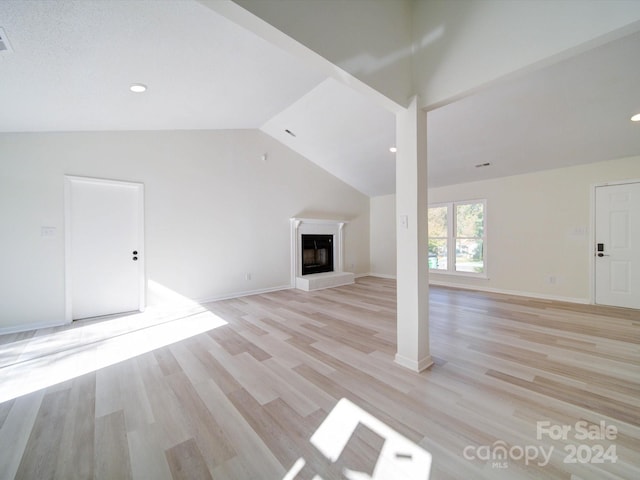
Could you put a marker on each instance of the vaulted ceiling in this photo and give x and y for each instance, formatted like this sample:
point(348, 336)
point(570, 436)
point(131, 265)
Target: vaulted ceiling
point(69, 64)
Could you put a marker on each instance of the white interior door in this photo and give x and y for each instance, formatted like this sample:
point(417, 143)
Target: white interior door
point(617, 248)
point(105, 238)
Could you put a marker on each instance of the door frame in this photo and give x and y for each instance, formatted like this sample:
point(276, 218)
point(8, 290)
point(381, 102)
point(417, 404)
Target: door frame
point(68, 280)
point(592, 237)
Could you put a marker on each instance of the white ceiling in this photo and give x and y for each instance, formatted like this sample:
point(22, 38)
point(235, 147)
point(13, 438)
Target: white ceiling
point(344, 133)
point(73, 61)
point(576, 111)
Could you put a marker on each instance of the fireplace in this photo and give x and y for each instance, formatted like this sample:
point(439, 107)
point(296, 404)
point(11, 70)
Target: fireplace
point(317, 254)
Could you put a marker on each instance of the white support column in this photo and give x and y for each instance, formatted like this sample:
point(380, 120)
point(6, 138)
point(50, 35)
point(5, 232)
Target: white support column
point(295, 252)
point(340, 247)
point(412, 239)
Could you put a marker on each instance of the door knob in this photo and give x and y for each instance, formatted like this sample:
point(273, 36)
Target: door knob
point(600, 254)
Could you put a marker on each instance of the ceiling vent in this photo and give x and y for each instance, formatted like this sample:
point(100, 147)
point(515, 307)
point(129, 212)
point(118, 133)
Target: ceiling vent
point(5, 46)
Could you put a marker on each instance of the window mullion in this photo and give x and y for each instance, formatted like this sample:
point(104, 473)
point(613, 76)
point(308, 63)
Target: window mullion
point(451, 238)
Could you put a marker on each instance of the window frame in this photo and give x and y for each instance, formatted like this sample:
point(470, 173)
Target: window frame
point(452, 238)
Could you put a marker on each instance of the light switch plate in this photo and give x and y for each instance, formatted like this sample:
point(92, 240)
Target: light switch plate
point(48, 232)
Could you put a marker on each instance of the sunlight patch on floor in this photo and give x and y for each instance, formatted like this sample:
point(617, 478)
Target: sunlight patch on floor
point(398, 457)
point(52, 356)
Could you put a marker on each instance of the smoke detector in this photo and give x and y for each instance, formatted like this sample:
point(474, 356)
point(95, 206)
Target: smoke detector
point(5, 46)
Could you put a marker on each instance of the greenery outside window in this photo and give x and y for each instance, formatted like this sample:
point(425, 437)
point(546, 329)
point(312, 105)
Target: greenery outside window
point(438, 237)
point(457, 240)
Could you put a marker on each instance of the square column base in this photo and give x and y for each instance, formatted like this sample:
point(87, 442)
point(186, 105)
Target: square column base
point(418, 366)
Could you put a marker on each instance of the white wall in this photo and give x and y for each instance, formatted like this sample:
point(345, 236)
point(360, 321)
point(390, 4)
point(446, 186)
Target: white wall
point(214, 211)
point(383, 235)
point(537, 226)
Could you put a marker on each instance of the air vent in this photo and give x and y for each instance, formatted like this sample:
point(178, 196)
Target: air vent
point(5, 46)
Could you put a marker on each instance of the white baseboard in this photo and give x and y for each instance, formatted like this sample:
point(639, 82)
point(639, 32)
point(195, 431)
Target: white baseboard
point(517, 293)
point(40, 325)
point(244, 294)
point(30, 326)
point(381, 275)
point(540, 296)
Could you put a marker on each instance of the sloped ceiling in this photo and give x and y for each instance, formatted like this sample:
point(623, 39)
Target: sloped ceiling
point(72, 62)
point(576, 111)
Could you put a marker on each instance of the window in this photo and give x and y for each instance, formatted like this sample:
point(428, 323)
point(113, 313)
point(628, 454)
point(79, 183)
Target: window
point(457, 241)
point(438, 237)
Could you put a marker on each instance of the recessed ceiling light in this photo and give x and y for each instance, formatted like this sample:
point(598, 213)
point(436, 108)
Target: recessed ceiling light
point(393, 149)
point(138, 88)
point(636, 118)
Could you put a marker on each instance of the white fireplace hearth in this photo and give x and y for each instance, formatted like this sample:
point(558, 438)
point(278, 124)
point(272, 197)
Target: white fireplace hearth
point(317, 281)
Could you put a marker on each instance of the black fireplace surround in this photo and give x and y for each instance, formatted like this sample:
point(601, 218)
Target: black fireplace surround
point(317, 254)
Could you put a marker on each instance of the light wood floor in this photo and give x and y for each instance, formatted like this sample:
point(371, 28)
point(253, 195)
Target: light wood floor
point(241, 401)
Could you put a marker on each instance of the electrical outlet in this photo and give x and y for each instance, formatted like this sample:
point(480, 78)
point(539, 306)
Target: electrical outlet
point(247, 276)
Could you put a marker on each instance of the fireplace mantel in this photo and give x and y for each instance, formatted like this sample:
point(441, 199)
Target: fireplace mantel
point(314, 226)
